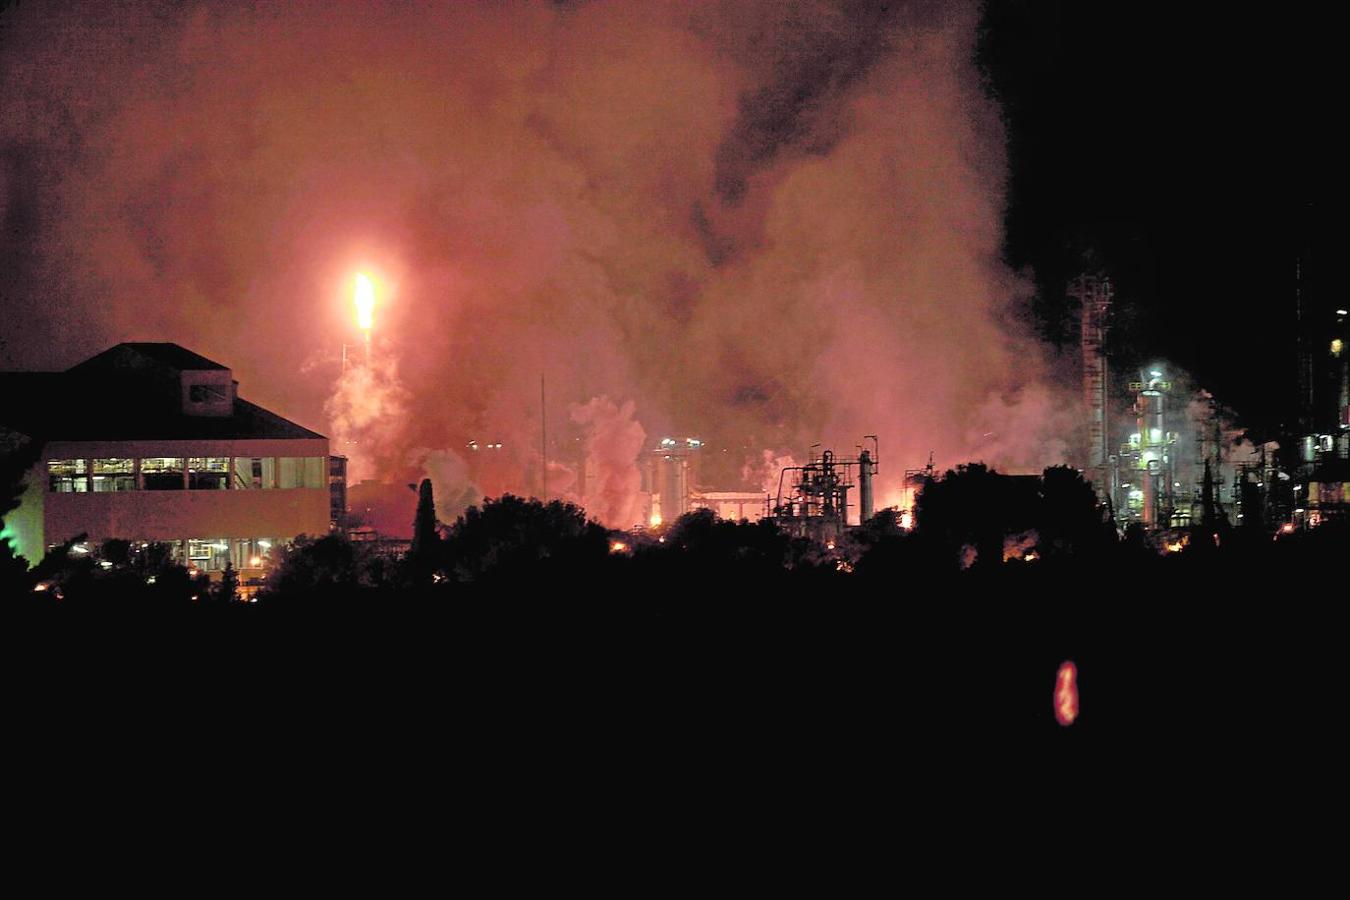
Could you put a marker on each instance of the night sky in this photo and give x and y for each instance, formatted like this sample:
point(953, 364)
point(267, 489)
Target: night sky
point(1194, 153)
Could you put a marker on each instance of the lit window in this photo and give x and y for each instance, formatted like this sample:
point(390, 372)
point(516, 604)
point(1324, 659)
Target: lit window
point(114, 475)
point(255, 473)
point(208, 555)
point(67, 476)
point(162, 473)
point(208, 473)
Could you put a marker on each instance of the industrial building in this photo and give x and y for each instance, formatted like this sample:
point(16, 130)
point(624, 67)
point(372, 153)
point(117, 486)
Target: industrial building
point(1322, 476)
point(150, 442)
point(1166, 464)
point(812, 500)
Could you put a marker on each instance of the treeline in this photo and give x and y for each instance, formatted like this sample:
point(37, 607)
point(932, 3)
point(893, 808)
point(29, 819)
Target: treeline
point(973, 527)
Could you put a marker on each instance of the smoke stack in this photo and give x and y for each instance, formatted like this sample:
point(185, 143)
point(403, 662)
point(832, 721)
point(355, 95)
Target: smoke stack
point(865, 485)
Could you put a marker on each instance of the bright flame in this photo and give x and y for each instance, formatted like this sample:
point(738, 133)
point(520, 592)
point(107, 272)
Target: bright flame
point(1066, 693)
point(618, 547)
point(655, 520)
point(365, 303)
point(906, 520)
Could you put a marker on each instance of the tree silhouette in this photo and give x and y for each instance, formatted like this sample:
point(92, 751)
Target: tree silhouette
point(510, 535)
point(310, 566)
point(707, 540)
point(974, 506)
point(228, 589)
point(15, 463)
point(1069, 522)
point(425, 538)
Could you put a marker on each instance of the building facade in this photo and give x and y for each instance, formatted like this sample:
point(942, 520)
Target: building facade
point(170, 453)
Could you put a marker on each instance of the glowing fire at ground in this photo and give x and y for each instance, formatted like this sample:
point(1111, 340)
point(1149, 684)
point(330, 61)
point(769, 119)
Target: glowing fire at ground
point(1178, 545)
point(1066, 693)
point(618, 547)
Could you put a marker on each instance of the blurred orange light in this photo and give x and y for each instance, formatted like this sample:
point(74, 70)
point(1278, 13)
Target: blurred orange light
point(1066, 693)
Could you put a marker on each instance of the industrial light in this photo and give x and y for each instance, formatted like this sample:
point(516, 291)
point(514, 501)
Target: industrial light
point(1342, 312)
point(1155, 373)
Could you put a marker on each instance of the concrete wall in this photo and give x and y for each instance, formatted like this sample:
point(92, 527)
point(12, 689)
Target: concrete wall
point(180, 515)
point(133, 449)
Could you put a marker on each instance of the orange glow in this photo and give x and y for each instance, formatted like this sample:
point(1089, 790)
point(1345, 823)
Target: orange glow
point(365, 302)
point(618, 547)
point(655, 520)
point(906, 520)
point(1066, 693)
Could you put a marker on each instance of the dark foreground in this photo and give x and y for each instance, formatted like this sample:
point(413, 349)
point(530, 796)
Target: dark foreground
point(1213, 687)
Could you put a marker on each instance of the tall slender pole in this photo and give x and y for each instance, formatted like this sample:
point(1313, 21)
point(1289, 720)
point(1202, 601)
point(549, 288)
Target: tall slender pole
point(543, 444)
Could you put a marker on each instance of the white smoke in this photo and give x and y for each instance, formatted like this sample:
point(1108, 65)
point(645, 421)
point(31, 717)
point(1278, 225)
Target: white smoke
point(366, 412)
point(613, 442)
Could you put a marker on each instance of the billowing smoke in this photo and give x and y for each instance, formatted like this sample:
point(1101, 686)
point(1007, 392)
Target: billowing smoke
point(367, 412)
point(764, 224)
point(612, 444)
point(763, 473)
point(451, 481)
point(1210, 431)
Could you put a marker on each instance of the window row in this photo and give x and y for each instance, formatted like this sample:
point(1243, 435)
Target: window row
point(194, 473)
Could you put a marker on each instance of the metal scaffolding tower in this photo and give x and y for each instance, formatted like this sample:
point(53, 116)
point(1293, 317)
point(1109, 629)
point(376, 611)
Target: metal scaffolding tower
point(1093, 292)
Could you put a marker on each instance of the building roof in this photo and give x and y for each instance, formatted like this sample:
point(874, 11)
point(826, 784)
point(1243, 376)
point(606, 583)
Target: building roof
point(169, 355)
point(129, 392)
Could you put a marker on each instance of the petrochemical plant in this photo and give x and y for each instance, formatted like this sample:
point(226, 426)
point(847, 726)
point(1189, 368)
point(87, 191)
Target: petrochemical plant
point(1172, 461)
